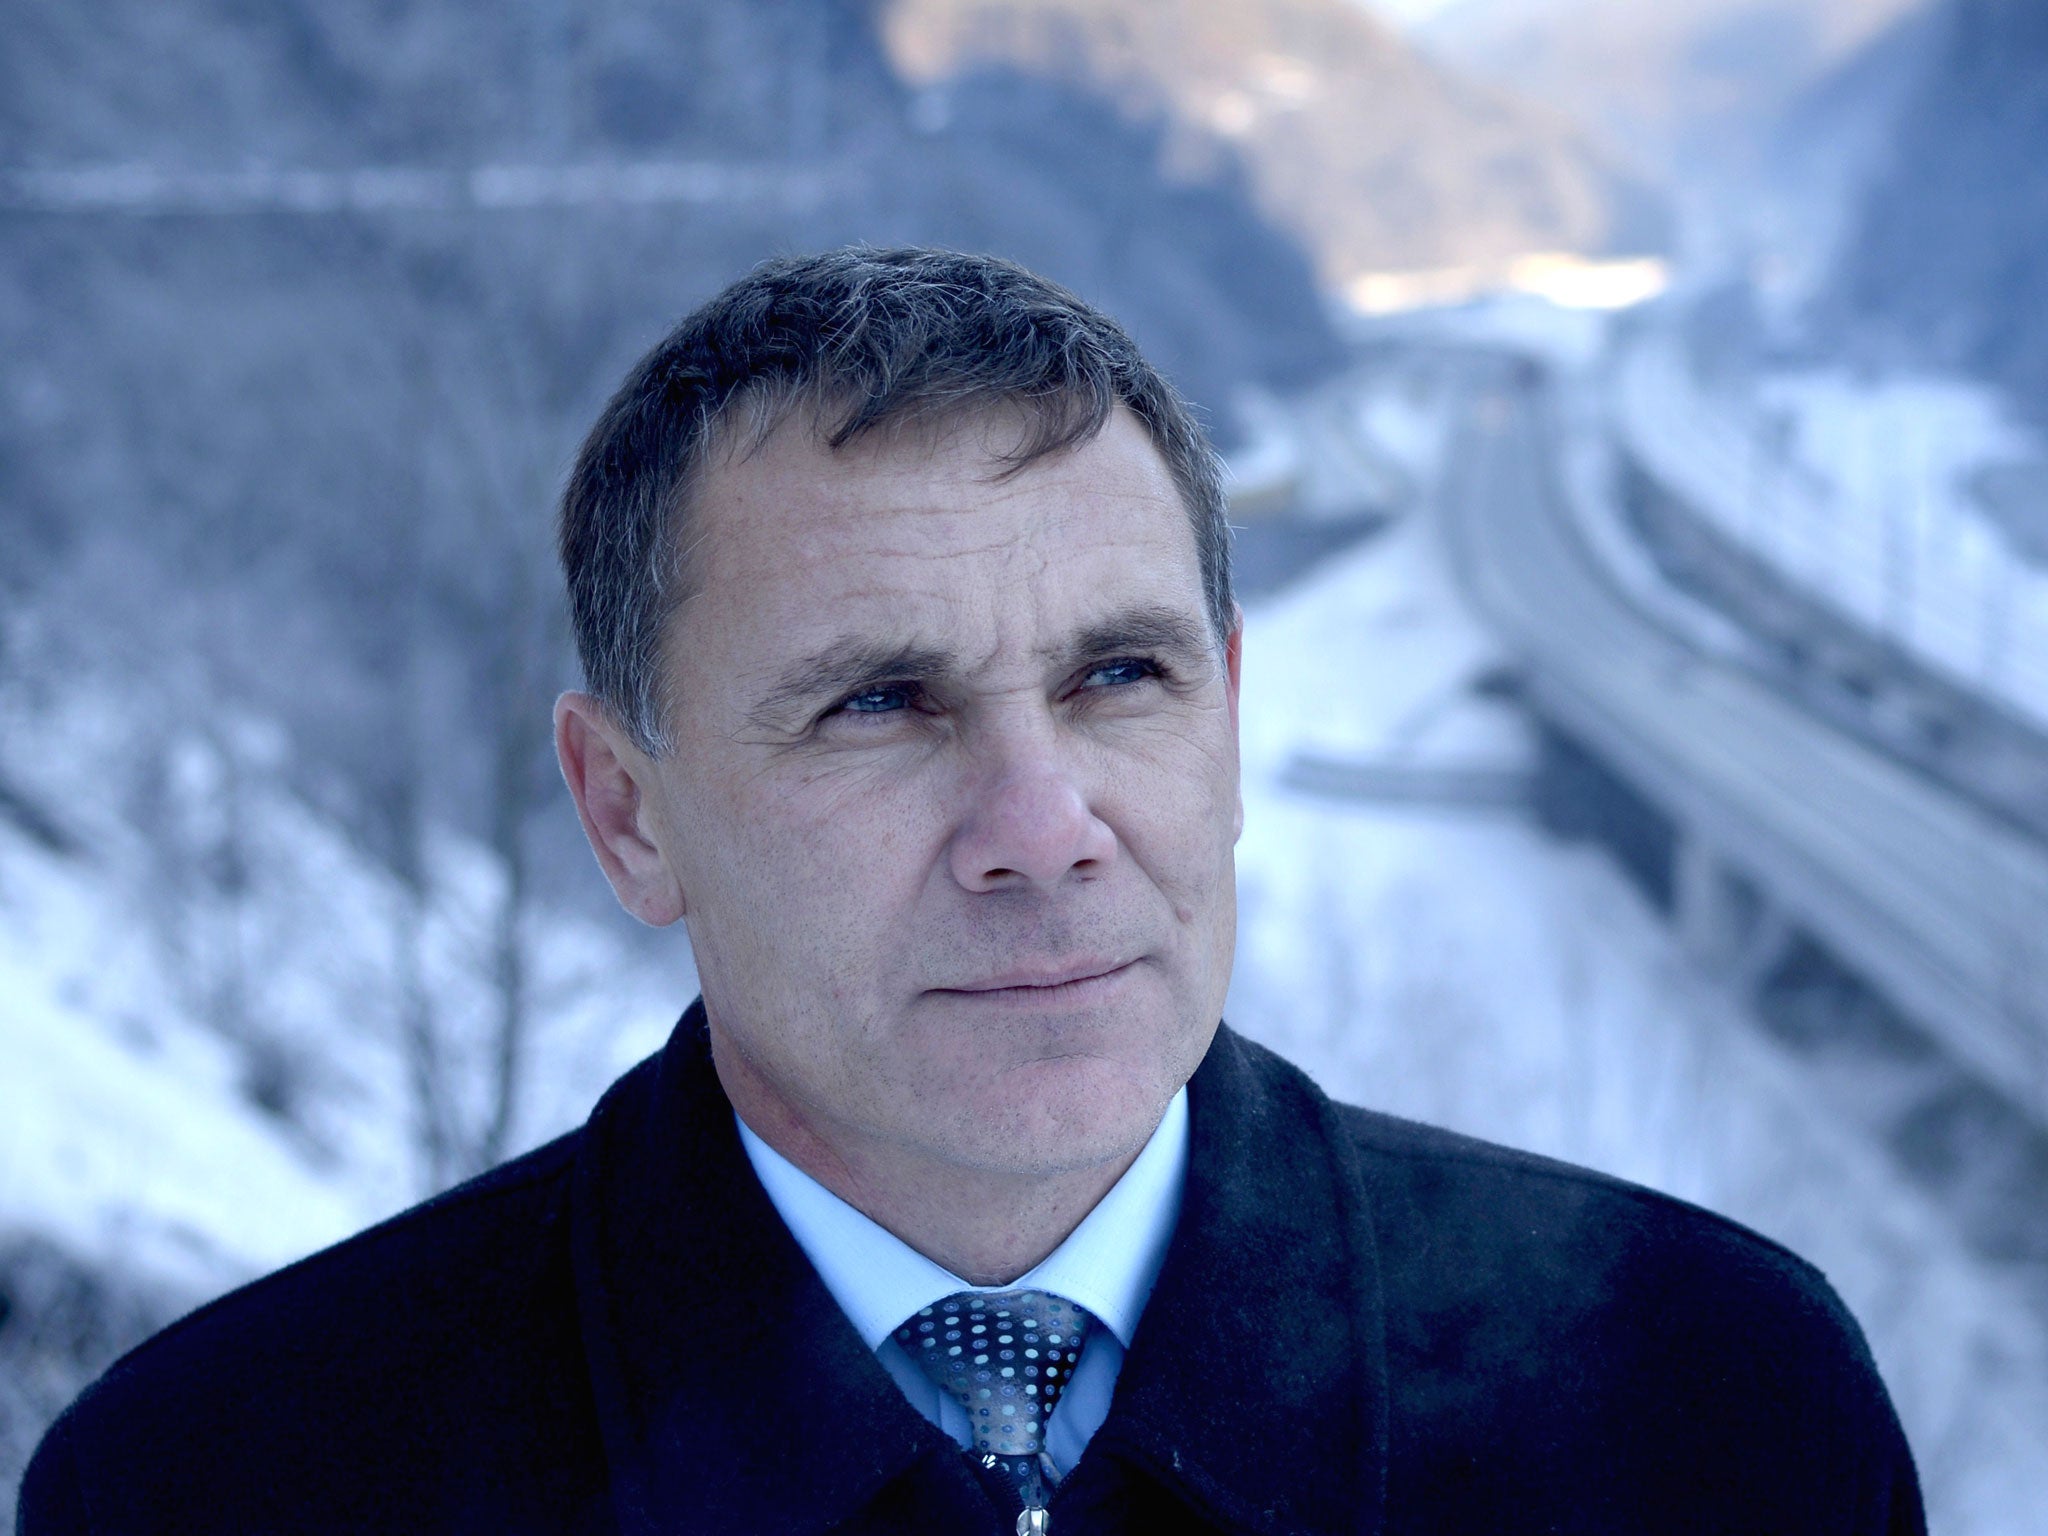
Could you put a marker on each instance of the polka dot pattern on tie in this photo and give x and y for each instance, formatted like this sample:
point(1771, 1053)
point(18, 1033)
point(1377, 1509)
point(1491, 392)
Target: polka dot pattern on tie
point(1005, 1356)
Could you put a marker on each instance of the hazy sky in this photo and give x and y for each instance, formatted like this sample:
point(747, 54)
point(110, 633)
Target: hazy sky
point(1402, 12)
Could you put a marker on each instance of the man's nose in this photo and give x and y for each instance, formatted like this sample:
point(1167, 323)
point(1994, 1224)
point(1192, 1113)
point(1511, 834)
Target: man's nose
point(1029, 821)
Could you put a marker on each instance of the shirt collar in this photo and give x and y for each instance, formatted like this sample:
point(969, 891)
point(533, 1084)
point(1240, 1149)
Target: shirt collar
point(1107, 1264)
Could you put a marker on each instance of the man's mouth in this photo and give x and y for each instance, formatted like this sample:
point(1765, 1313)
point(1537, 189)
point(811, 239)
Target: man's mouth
point(1044, 981)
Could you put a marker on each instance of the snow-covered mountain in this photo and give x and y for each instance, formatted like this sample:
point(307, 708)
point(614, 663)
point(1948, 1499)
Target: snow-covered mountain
point(1682, 84)
point(1364, 149)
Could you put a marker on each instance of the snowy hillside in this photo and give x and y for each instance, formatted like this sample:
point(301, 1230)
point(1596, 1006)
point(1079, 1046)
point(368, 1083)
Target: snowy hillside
point(1679, 82)
point(1908, 502)
point(1942, 261)
point(204, 1082)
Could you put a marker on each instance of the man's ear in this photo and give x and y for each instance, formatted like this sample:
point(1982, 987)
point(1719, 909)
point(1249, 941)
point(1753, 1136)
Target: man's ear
point(1233, 655)
point(612, 781)
point(1233, 664)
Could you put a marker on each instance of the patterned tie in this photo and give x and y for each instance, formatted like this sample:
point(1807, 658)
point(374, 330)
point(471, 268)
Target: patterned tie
point(1005, 1356)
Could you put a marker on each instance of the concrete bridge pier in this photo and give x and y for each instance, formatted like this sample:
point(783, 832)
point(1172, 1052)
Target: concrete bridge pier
point(1726, 921)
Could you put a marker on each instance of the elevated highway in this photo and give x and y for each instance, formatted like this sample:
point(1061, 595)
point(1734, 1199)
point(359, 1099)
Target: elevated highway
point(1782, 821)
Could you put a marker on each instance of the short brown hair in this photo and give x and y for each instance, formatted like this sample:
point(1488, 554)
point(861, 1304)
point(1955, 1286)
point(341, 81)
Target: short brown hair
point(864, 338)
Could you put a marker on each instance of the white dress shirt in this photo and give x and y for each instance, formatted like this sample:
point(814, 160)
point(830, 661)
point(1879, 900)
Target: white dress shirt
point(1107, 1264)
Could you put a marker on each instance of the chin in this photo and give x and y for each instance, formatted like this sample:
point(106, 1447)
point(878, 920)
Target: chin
point(1064, 1113)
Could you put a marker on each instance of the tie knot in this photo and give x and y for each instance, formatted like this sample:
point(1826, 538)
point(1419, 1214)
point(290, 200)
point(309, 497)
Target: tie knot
point(1005, 1356)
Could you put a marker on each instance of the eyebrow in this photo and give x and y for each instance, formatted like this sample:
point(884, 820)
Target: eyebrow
point(1135, 629)
point(852, 662)
point(844, 667)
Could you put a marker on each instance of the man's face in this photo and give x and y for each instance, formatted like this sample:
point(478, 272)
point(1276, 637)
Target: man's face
point(954, 796)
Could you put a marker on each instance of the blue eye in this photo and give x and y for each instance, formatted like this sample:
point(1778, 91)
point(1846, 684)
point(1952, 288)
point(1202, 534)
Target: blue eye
point(879, 701)
point(1113, 674)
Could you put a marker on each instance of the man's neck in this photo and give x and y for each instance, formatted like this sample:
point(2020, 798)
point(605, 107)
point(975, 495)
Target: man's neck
point(987, 1226)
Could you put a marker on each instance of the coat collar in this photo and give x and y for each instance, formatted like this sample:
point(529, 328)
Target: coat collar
point(1257, 1382)
point(703, 1324)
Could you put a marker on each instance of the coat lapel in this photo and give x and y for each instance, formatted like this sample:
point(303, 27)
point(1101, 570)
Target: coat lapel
point(710, 1337)
point(1257, 1381)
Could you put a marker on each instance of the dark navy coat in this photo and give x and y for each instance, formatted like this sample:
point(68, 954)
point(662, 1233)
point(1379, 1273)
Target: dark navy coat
point(1362, 1325)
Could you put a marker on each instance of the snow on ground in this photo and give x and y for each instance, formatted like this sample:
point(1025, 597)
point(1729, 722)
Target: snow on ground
point(203, 1083)
point(126, 1135)
point(1375, 668)
point(1404, 419)
point(1458, 966)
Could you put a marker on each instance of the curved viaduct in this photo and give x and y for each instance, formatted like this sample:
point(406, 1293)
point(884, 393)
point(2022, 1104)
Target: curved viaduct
point(1782, 820)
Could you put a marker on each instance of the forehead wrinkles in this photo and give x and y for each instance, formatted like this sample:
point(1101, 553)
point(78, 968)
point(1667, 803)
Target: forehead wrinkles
point(929, 527)
point(993, 604)
point(919, 525)
point(956, 463)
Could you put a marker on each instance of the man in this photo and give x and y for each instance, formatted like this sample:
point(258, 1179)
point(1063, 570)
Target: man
point(901, 583)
